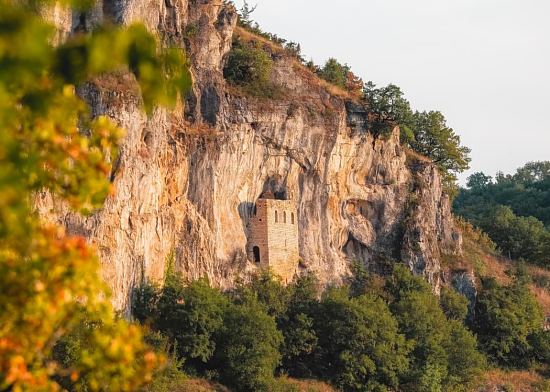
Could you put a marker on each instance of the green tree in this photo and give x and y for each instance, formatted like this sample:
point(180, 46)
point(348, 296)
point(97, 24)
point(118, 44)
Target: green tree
point(435, 140)
point(191, 316)
point(514, 210)
point(518, 237)
point(389, 104)
point(335, 73)
point(361, 348)
point(248, 352)
point(144, 303)
point(245, 14)
point(478, 180)
point(506, 319)
point(267, 289)
point(438, 363)
point(49, 281)
point(298, 328)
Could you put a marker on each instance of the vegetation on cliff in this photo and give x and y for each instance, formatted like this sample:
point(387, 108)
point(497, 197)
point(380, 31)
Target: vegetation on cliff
point(57, 326)
point(249, 65)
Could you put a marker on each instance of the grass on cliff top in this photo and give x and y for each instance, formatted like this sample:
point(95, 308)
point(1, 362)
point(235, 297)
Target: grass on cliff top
point(304, 72)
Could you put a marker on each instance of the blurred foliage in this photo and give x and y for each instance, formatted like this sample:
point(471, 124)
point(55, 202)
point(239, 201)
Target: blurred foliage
point(51, 294)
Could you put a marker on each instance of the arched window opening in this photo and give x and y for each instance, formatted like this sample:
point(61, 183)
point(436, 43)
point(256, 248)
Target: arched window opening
point(284, 216)
point(276, 217)
point(256, 252)
point(292, 217)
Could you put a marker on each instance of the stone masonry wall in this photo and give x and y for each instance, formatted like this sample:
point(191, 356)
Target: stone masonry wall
point(277, 238)
point(282, 238)
point(258, 233)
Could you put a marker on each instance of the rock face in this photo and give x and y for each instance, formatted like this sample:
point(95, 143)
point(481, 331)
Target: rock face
point(186, 179)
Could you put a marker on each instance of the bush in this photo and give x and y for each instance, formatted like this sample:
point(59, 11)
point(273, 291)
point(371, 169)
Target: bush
point(340, 75)
point(249, 67)
point(453, 304)
point(169, 378)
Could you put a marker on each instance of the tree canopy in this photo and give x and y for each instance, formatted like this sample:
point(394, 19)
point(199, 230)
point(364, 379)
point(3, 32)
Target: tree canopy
point(425, 132)
point(514, 210)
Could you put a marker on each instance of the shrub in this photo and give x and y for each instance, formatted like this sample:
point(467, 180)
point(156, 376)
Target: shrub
point(453, 304)
point(249, 67)
point(335, 73)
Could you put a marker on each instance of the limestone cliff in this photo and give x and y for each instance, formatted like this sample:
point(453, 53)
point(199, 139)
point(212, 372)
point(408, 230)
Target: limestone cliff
point(186, 180)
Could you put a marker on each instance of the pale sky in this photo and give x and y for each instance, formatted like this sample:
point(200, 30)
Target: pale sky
point(484, 63)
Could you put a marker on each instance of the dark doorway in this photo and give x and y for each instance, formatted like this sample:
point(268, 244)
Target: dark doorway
point(256, 251)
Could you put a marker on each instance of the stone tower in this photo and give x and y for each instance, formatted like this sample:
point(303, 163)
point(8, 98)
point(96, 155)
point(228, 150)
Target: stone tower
point(273, 241)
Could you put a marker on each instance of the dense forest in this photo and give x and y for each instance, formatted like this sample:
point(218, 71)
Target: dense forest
point(514, 210)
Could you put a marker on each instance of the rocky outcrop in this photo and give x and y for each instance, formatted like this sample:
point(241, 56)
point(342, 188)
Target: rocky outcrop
point(186, 180)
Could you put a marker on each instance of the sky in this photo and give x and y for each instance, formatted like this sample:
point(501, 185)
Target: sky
point(485, 64)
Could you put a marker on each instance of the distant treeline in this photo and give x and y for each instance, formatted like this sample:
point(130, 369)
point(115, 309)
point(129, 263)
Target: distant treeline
point(514, 210)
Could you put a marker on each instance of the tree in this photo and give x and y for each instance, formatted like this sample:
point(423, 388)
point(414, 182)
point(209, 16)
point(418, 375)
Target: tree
point(335, 73)
point(191, 316)
point(297, 324)
point(437, 362)
point(425, 132)
point(361, 347)
point(268, 290)
point(435, 140)
point(518, 237)
point(49, 280)
point(245, 13)
point(248, 351)
point(389, 104)
point(144, 303)
point(506, 319)
point(478, 180)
